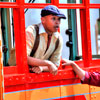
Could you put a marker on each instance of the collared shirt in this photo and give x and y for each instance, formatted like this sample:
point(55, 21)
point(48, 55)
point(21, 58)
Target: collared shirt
point(42, 30)
point(92, 78)
point(41, 52)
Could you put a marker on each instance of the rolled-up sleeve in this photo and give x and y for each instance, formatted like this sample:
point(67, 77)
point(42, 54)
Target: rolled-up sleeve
point(92, 78)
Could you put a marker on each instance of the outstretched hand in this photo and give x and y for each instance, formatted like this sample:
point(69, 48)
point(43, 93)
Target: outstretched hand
point(66, 62)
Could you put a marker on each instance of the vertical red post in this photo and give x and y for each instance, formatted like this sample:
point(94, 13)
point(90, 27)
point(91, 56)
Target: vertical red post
point(55, 2)
point(86, 36)
point(20, 37)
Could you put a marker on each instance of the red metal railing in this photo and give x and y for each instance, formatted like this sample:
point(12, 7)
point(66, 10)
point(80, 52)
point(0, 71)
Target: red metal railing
point(19, 27)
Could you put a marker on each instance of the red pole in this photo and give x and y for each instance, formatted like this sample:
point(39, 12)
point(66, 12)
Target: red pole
point(86, 36)
point(20, 38)
point(55, 2)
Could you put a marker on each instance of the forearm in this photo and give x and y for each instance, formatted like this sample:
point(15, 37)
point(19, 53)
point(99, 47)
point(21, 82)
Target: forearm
point(37, 62)
point(80, 72)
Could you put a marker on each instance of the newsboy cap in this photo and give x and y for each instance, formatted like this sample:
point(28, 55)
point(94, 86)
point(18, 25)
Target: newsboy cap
point(52, 10)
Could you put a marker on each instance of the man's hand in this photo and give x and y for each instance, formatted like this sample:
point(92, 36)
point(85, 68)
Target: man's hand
point(66, 62)
point(79, 71)
point(37, 69)
point(52, 68)
point(49, 66)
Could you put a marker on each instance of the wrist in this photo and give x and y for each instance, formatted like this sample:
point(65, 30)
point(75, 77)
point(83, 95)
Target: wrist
point(48, 63)
point(73, 63)
point(41, 68)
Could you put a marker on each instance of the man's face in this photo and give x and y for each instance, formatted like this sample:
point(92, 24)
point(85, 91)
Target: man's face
point(51, 23)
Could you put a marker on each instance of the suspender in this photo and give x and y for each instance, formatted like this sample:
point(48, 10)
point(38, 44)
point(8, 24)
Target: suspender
point(37, 42)
point(56, 46)
point(57, 43)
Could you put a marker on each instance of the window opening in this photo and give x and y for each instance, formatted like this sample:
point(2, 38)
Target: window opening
point(37, 1)
point(7, 0)
point(95, 32)
point(95, 1)
point(30, 1)
point(7, 34)
point(70, 1)
point(74, 32)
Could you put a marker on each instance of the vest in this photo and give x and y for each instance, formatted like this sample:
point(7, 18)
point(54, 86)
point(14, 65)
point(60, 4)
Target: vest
point(37, 42)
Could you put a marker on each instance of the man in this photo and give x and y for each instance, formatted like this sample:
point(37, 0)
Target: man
point(47, 54)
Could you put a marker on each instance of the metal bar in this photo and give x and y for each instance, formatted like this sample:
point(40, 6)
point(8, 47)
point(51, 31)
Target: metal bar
point(83, 1)
point(88, 46)
point(94, 6)
point(8, 5)
point(51, 1)
point(83, 36)
point(17, 34)
point(56, 2)
point(86, 37)
point(62, 6)
point(71, 6)
point(36, 5)
point(21, 58)
point(22, 37)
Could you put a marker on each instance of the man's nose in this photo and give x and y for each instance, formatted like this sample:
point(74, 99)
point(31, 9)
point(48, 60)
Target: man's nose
point(57, 21)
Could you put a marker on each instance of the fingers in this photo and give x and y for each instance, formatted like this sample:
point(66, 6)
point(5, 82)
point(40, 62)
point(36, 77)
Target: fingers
point(53, 70)
point(63, 60)
point(65, 64)
point(36, 70)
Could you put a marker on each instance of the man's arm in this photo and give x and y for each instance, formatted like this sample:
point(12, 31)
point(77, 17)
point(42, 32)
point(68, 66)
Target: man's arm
point(47, 65)
point(80, 72)
point(91, 78)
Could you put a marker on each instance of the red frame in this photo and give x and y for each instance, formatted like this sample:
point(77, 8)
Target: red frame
point(17, 78)
point(18, 13)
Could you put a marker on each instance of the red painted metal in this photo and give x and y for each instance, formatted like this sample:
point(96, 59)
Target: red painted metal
point(94, 6)
point(56, 2)
point(80, 97)
point(35, 81)
point(62, 6)
point(35, 5)
point(83, 1)
point(8, 5)
point(10, 70)
point(72, 6)
point(20, 38)
point(86, 37)
point(18, 77)
point(23, 37)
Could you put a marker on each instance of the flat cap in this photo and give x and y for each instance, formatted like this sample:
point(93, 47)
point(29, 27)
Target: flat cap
point(52, 10)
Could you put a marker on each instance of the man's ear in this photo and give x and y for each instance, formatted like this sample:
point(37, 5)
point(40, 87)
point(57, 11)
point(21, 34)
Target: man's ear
point(42, 19)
